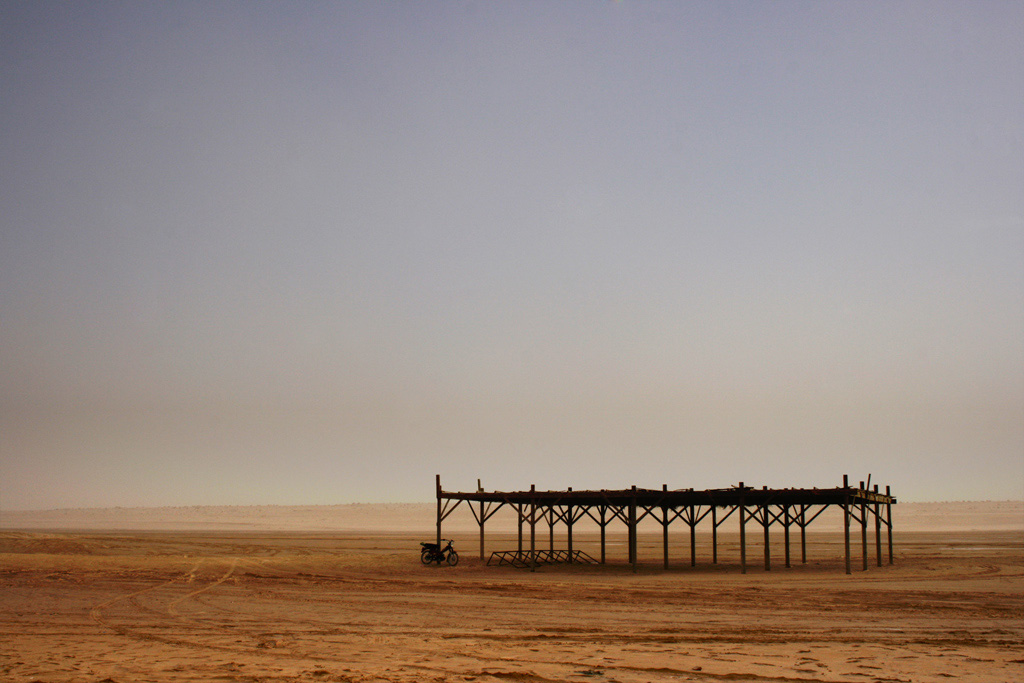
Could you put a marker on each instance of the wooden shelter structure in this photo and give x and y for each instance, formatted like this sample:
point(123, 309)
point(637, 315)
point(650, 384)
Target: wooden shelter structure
point(762, 507)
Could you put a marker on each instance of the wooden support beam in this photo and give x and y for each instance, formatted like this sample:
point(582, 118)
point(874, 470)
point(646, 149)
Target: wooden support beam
point(863, 532)
point(568, 530)
point(888, 523)
point(483, 518)
point(743, 532)
point(439, 517)
point(551, 528)
point(533, 530)
point(693, 536)
point(664, 527)
point(632, 530)
point(766, 520)
point(519, 509)
point(846, 523)
point(604, 524)
point(785, 527)
point(878, 533)
point(714, 534)
point(803, 534)
point(485, 512)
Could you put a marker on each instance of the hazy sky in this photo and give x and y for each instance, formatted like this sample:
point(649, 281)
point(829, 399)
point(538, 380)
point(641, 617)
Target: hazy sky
point(302, 253)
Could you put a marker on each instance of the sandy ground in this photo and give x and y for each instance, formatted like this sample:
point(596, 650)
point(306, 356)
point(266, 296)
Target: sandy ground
point(255, 604)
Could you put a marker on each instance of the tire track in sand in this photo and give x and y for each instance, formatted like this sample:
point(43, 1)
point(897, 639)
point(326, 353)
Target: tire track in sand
point(173, 605)
point(96, 613)
point(170, 611)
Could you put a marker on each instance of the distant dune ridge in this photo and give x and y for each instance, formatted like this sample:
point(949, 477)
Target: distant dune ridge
point(420, 518)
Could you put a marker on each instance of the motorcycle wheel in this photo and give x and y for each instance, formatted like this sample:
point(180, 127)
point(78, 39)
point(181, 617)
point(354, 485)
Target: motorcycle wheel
point(425, 557)
point(453, 558)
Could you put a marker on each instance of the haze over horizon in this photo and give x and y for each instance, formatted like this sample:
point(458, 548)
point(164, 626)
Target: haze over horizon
point(286, 253)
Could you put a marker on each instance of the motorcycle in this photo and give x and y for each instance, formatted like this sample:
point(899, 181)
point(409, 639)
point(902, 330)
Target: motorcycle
point(431, 553)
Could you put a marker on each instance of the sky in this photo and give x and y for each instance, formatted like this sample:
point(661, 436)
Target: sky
point(317, 253)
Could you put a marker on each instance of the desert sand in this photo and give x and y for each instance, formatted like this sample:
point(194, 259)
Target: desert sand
point(337, 593)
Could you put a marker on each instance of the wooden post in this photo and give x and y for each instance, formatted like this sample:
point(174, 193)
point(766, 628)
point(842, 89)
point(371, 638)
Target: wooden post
point(533, 530)
point(519, 509)
point(714, 533)
point(551, 528)
point(568, 529)
point(438, 482)
point(480, 489)
point(632, 529)
point(482, 530)
point(846, 520)
point(766, 520)
point(863, 529)
point(785, 527)
point(888, 522)
point(878, 532)
point(743, 532)
point(803, 534)
point(664, 525)
point(604, 509)
point(693, 536)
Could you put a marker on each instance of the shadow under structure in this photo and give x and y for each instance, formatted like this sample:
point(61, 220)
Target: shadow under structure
point(762, 507)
